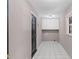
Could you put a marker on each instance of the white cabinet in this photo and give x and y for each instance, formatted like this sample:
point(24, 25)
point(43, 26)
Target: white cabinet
point(50, 24)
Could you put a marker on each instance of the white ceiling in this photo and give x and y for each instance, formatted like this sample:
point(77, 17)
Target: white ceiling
point(49, 7)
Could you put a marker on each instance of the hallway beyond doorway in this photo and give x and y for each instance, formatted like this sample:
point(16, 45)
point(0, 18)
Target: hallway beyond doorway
point(51, 50)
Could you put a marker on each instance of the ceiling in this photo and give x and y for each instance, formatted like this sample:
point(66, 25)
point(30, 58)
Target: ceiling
point(49, 7)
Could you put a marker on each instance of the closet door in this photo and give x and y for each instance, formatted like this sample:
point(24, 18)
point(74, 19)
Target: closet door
point(33, 35)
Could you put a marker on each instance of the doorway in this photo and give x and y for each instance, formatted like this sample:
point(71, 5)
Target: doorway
point(33, 35)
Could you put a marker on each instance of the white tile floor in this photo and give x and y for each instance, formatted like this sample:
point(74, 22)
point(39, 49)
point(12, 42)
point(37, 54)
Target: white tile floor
point(50, 50)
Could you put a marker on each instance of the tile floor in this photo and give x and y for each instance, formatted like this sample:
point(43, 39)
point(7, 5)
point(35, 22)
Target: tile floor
point(50, 50)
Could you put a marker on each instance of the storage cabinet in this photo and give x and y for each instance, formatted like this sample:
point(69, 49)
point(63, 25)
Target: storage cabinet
point(50, 24)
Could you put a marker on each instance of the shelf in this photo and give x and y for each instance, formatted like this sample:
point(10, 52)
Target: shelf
point(50, 29)
point(70, 24)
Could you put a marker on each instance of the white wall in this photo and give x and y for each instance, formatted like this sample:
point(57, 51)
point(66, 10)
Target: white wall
point(20, 29)
point(65, 39)
point(39, 31)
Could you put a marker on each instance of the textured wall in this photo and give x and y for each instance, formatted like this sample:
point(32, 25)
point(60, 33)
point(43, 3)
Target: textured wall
point(20, 29)
point(64, 38)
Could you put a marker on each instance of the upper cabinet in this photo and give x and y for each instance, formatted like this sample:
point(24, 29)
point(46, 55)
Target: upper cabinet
point(50, 24)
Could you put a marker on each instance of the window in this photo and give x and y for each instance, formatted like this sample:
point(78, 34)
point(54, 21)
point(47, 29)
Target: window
point(69, 24)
